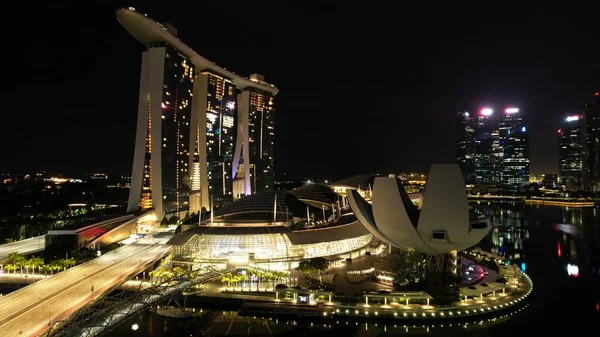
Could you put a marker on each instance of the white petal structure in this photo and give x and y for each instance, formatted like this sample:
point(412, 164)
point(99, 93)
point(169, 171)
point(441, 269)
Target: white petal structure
point(440, 226)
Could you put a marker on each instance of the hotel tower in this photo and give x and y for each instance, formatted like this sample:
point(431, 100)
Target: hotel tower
point(205, 135)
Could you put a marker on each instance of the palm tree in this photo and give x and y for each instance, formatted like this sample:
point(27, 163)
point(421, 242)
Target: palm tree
point(226, 279)
point(10, 267)
point(242, 279)
point(17, 260)
point(35, 262)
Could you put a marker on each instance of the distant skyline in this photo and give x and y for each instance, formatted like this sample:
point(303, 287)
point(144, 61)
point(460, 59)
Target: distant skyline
point(361, 90)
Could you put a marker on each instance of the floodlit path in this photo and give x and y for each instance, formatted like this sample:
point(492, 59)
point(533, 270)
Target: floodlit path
point(31, 310)
point(26, 246)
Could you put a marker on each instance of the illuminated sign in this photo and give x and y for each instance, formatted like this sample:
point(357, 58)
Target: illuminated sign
point(511, 110)
point(486, 112)
point(572, 118)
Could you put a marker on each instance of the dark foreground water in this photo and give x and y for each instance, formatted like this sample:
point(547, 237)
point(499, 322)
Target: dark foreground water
point(558, 247)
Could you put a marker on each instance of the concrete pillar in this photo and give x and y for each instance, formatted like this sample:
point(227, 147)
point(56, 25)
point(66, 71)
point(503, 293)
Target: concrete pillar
point(407, 301)
point(277, 295)
point(494, 293)
point(385, 300)
point(329, 297)
point(504, 290)
point(366, 300)
point(427, 302)
point(481, 296)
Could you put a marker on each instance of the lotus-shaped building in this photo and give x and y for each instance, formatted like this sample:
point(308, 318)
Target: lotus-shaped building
point(440, 225)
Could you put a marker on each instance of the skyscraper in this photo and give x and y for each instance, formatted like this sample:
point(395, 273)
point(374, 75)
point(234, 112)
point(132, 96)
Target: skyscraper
point(591, 148)
point(189, 123)
point(465, 151)
point(515, 158)
point(570, 153)
point(483, 148)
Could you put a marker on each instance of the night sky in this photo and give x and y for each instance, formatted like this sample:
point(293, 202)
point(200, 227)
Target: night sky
point(362, 89)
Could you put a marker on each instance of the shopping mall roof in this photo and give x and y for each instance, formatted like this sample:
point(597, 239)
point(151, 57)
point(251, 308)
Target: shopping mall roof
point(363, 181)
point(300, 237)
point(315, 193)
point(260, 207)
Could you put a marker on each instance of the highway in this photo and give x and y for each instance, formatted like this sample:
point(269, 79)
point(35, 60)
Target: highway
point(24, 246)
point(31, 310)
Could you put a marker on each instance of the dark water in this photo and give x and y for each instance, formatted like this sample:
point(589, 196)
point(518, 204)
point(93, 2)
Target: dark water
point(558, 247)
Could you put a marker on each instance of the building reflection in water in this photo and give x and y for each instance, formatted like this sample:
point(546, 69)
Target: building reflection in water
point(510, 222)
point(576, 234)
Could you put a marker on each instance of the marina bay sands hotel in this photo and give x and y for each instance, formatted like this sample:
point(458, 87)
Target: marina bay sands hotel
point(205, 135)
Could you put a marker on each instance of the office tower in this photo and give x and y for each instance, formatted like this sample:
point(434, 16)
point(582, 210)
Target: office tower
point(483, 148)
point(188, 123)
point(497, 157)
point(465, 151)
point(515, 158)
point(570, 153)
point(591, 148)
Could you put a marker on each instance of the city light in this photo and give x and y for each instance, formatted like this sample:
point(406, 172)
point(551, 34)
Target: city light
point(511, 110)
point(572, 118)
point(572, 270)
point(486, 111)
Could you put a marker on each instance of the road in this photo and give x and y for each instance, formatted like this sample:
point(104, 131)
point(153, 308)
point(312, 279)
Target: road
point(31, 310)
point(24, 246)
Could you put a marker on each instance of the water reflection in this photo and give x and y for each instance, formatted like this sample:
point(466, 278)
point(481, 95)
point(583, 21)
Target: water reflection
point(510, 222)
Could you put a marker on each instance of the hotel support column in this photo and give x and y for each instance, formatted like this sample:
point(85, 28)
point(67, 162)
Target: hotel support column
point(242, 146)
point(150, 102)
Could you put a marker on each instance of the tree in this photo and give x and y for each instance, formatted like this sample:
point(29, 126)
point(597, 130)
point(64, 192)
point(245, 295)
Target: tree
point(35, 262)
point(18, 260)
point(313, 266)
point(164, 222)
point(226, 279)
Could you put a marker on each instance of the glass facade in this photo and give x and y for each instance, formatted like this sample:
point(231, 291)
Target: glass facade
point(262, 248)
point(175, 132)
point(483, 151)
point(261, 139)
point(591, 149)
point(465, 133)
point(515, 138)
point(570, 153)
point(221, 115)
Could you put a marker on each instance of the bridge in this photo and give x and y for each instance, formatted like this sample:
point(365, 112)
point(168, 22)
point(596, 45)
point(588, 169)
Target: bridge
point(100, 318)
point(27, 246)
point(32, 310)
